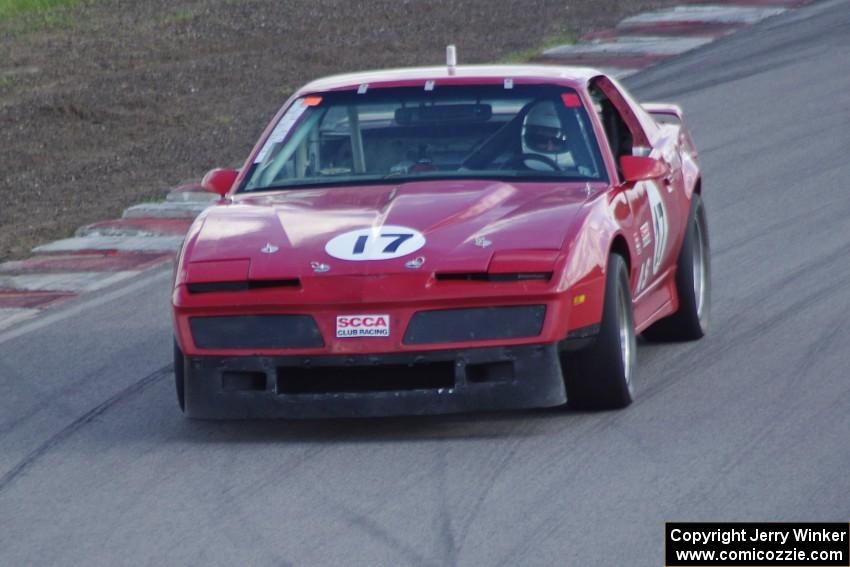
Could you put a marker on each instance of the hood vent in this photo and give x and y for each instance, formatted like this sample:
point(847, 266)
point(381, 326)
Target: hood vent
point(244, 285)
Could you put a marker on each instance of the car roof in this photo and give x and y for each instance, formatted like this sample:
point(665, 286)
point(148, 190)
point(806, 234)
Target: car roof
point(464, 74)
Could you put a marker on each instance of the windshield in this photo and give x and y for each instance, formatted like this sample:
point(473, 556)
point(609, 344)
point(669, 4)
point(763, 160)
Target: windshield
point(531, 132)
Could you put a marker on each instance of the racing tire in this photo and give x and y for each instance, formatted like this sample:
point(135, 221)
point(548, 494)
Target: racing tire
point(693, 284)
point(180, 376)
point(600, 377)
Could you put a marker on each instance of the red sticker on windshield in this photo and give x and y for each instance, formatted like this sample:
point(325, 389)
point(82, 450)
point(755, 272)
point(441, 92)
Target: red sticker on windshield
point(571, 100)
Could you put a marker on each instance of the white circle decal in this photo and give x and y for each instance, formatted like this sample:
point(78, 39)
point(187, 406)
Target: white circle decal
point(378, 243)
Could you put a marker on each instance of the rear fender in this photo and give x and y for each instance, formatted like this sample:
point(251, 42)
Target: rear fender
point(671, 114)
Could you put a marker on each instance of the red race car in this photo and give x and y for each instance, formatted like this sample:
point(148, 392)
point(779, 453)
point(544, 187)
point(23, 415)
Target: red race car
point(443, 239)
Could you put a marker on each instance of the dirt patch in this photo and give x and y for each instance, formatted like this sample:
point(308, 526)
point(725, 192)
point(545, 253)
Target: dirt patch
point(119, 100)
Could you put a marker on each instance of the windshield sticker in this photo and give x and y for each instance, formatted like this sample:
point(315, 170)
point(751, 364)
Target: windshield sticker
point(283, 127)
point(571, 100)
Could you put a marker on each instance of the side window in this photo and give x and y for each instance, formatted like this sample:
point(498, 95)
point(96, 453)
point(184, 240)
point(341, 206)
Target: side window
point(616, 130)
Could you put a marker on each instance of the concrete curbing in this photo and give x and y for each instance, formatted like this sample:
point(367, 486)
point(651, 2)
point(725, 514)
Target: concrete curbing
point(190, 192)
point(166, 210)
point(75, 282)
point(149, 234)
point(112, 244)
point(102, 262)
point(136, 227)
point(643, 40)
point(712, 14)
point(635, 45)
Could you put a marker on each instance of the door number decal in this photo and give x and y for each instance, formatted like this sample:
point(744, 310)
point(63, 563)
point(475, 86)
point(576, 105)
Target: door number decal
point(659, 224)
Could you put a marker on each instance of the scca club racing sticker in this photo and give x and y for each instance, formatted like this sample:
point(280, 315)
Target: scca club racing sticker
point(378, 243)
point(370, 325)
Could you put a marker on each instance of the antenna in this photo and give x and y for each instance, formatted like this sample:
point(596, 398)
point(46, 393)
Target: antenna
point(451, 56)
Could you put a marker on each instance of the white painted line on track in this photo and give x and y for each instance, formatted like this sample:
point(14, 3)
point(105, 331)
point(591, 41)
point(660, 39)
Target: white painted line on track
point(59, 314)
point(9, 316)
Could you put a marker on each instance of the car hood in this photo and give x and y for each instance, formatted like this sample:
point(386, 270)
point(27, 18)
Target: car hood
point(294, 226)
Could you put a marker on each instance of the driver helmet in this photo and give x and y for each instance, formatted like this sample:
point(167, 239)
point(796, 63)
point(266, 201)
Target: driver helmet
point(543, 134)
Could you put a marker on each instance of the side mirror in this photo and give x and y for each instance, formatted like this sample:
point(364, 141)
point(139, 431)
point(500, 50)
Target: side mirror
point(639, 168)
point(219, 180)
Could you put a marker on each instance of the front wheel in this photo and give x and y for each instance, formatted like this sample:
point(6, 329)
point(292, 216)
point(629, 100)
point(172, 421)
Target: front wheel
point(601, 376)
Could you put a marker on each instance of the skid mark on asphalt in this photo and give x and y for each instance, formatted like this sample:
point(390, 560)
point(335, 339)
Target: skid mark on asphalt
point(248, 529)
point(746, 327)
point(766, 312)
point(493, 469)
point(379, 533)
point(272, 475)
point(235, 496)
point(833, 214)
point(446, 535)
point(551, 470)
point(828, 340)
point(69, 430)
point(50, 398)
point(249, 536)
point(453, 531)
point(794, 391)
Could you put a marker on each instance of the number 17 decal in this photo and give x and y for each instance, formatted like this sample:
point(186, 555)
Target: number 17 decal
point(659, 224)
point(392, 247)
point(380, 243)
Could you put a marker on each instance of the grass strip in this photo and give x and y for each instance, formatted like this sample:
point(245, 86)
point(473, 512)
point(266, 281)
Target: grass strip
point(11, 8)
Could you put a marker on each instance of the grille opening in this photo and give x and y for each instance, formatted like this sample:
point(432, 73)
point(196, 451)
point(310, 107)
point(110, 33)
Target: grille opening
point(474, 323)
point(354, 379)
point(244, 285)
point(256, 331)
point(490, 372)
point(487, 277)
point(243, 381)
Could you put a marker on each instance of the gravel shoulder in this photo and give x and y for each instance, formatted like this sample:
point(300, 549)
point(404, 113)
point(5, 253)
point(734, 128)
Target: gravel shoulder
point(113, 102)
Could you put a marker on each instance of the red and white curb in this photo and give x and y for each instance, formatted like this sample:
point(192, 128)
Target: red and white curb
point(98, 255)
point(149, 234)
point(646, 39)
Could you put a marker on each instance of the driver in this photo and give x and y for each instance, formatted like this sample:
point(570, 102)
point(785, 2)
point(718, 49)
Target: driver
point(544, 135)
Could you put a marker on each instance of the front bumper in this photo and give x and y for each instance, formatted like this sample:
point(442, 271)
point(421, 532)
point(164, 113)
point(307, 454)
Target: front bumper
point(409, 383)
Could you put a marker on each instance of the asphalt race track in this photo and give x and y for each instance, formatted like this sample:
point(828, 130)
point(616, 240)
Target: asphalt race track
point(98, 467)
